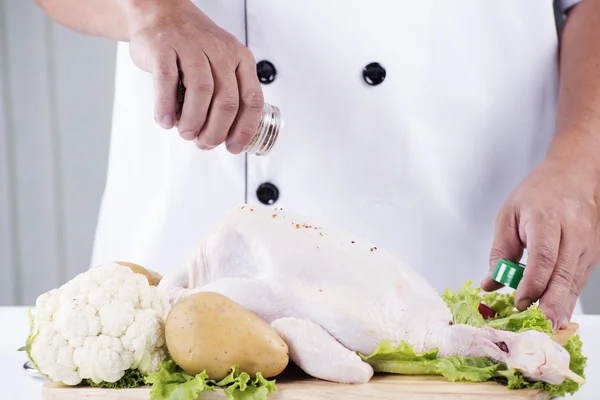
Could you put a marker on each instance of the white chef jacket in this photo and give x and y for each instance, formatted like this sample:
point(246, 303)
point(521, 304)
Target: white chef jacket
point(418, 162)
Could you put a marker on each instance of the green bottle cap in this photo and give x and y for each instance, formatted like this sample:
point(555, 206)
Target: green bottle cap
point(508, 273)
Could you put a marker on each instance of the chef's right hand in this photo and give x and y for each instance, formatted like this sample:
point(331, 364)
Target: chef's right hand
point(223, 98)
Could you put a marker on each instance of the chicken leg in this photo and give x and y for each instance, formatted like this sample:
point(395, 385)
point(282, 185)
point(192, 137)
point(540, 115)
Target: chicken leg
point(318, 354)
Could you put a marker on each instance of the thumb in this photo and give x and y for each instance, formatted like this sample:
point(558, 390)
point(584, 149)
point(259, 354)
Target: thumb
point(507, 245)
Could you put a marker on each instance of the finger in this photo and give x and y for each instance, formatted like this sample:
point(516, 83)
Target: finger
point(166, 78)
point(554, 299)
point(223, 108)
point(245, 126)
point(506, 245)
point(198, 81)
point(579, 280)
point(543, 240)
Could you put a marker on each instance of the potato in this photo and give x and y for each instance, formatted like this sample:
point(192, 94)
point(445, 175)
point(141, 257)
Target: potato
point(153, 277)
point(208, 331)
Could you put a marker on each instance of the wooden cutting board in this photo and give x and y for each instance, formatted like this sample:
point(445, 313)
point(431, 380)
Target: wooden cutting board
point(385, 387)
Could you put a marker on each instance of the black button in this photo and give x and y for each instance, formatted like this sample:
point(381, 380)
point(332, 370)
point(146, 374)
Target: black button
point(266, 72)
point(267, 193)
point(374, 74)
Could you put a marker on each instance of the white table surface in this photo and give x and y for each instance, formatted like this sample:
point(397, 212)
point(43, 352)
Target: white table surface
point(15, 384)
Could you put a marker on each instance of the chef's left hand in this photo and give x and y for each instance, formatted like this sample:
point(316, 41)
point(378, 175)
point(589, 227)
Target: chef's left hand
point(554, 214)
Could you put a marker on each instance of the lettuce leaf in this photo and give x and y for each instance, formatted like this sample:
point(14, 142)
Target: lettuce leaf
point(133, 378)
point(531, 319)
point(508, 318)
point(502, 303)
point(239, 386)
point(400, 360)
point(404, 360)
point(170, 382)
point(464, 305)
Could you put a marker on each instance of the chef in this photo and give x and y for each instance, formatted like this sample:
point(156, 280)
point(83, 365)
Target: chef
point(444, 132)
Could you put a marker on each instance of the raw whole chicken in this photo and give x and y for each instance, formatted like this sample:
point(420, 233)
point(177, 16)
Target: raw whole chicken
point(330, 294)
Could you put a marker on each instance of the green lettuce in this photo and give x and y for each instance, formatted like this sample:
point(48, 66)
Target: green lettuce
point(133, 378)
point(403, 360)
point(502, 303)
point(170, 382)
point(464, 305)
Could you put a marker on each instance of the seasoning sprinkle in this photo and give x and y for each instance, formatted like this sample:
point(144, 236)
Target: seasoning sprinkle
point(353, 241)
point(297, 226)
point(274, 215)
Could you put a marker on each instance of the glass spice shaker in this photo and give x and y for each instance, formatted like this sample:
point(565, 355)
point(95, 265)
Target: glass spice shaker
point(271, 123)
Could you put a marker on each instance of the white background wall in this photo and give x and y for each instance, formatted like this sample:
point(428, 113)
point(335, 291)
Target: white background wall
point(56, 90)
point(55, 105)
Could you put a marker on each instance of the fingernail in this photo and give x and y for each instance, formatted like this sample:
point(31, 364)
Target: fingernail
point(234, 147)
point(188, 135)
point(524, 304)
point(167, 121)
point(204, 146)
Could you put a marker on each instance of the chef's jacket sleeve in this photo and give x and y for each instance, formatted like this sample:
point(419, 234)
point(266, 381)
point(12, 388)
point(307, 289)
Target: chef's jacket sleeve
point(564, 5)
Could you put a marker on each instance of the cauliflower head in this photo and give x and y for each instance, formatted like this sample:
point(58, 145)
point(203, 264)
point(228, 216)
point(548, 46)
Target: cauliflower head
point(97, 326)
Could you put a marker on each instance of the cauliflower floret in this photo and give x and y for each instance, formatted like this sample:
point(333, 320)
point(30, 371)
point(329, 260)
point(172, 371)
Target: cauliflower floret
point(98, 325)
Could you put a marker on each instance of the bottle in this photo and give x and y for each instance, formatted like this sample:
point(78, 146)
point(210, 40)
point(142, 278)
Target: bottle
point(271, 123)
point(508, 273)
point(268, 131)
